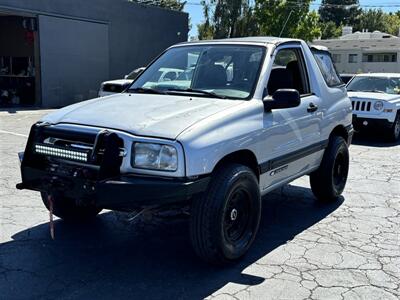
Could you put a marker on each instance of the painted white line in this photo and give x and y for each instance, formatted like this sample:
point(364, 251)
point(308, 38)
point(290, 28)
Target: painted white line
point(13, 133)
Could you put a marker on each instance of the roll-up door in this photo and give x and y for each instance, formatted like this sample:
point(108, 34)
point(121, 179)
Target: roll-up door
point(74, 59)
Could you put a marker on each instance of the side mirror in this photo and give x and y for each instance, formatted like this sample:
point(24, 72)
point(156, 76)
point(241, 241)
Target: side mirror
point(126, 76)
point(282, 98)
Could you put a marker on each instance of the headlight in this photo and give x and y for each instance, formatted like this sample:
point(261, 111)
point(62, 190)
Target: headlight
point(378, 105)
point(154, 156)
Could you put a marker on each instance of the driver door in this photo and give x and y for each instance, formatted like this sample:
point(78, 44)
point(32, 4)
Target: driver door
point(291, 134)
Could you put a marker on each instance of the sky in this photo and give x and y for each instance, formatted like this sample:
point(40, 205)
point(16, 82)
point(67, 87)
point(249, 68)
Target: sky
point(195, 10)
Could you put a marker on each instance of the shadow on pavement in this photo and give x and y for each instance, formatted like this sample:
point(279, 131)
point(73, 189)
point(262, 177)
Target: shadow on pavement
point(17, 108)
point(110, 259)
point(373, 139)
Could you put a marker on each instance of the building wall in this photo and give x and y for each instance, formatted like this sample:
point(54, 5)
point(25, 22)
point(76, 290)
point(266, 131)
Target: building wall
point(344, 66)
point(360, 44)
point(137, 33)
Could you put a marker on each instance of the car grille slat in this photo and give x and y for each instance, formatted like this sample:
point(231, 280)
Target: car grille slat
point(361, 105)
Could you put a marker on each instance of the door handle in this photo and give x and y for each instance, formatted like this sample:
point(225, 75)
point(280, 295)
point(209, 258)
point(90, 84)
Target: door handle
point(312, 107)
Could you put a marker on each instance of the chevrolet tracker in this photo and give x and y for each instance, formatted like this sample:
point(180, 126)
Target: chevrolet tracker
point(244, 117)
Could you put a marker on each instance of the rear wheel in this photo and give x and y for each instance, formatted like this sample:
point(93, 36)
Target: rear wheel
point(225, 220)
point(67, 209)
point(329, 181)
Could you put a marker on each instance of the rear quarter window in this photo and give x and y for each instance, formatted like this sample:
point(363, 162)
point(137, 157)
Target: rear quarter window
point(328, 70)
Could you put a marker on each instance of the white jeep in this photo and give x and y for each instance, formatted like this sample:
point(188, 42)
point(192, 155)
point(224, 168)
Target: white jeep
point(375, 99)
point(250, 115)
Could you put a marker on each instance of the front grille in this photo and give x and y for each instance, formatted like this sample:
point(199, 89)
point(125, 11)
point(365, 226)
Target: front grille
point(113, 88)
point(62, 152)
point(361, 105)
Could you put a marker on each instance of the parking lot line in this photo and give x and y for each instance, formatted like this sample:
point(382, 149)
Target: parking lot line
point(13, 133)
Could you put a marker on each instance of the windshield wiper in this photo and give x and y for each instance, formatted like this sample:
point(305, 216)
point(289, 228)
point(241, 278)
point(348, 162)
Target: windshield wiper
point(146, 91)
point(374, 91)
point(195, 91)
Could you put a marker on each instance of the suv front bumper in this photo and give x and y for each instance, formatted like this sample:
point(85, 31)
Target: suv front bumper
point(361, 123)
point(124, 192)
point(96, 180)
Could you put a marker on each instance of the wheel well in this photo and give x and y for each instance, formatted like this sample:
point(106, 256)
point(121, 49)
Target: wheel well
point(244, 157)
point(340, 131)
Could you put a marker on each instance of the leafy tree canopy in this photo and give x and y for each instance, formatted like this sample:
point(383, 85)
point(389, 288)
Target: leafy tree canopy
point(344, 12)
point(170, 4)
point(287, 19)
point(291, 18)
point(330, 30)
point(231, 18)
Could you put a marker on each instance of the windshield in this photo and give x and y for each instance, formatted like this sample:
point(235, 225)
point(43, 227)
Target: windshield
point(219, 71)
point(388, 85)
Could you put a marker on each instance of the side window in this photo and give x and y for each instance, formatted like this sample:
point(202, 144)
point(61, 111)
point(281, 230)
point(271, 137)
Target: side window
point(288, 72)
point(328, 70)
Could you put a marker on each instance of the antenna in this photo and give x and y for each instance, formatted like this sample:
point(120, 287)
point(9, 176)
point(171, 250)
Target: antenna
point(284, 25)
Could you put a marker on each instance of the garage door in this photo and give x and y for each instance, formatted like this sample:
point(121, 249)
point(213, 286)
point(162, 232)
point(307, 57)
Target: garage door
point(74, 59)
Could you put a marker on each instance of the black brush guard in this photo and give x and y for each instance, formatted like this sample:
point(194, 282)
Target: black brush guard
point(98, 181)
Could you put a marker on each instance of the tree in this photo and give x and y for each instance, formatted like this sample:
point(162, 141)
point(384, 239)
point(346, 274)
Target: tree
point(228, 14)
point(170, 4)
point(393, 23)
point(376, 19)
point(330, 30)
point(247, 24)
point(287, 19)
point(372, 19)
point(341, 12)
point(206, 29)
point(231, 18)
point(308, 28)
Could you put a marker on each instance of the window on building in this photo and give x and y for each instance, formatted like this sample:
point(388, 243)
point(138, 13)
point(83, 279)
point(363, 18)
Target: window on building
point(380, 57)
point(336, 58)
point(353, 58)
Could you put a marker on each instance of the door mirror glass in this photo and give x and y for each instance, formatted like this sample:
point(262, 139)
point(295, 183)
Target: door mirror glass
point(282, 98)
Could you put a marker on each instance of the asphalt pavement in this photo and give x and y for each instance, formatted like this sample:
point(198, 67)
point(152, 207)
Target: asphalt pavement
point(304, 250)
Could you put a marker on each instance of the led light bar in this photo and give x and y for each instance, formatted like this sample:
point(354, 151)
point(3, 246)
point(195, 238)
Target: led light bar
point(60, 152)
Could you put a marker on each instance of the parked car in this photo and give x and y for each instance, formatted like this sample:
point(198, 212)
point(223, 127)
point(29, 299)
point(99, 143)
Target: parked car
point(118, 86)
point(375, 100)
point(346, 77)
point(247, 116)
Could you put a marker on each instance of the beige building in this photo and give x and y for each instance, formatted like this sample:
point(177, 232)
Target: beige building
point(361, 52)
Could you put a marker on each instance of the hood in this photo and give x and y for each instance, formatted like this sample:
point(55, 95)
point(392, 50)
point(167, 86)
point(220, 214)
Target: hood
point(119, 81)
point(163, 116)
point(374, 96)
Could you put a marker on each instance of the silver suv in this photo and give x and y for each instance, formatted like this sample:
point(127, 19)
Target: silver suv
point(249, 116)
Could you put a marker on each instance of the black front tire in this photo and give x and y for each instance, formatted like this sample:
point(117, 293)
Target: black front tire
point(225, 220)
point(68, 210)
point(394, 133)
point(329, 181)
